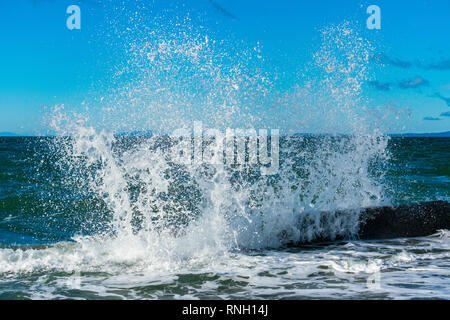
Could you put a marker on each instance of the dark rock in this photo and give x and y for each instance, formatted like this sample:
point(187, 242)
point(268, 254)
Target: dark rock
point(412, 220)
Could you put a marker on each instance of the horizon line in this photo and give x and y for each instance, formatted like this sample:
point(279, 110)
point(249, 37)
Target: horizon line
point(7, 134)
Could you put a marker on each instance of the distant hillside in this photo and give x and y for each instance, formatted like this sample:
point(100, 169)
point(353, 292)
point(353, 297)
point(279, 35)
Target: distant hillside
point(8, 134)
point(423, 135)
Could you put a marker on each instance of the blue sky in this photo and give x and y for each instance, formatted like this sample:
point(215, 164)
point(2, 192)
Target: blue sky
point(43, 63)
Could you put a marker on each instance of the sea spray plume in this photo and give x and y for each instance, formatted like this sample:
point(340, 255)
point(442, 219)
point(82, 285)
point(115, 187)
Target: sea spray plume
point(134, 183)
point(336, 171)
point(169, 212)
point(166, 218)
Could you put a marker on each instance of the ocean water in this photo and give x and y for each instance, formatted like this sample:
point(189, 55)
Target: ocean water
point(64, 234)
